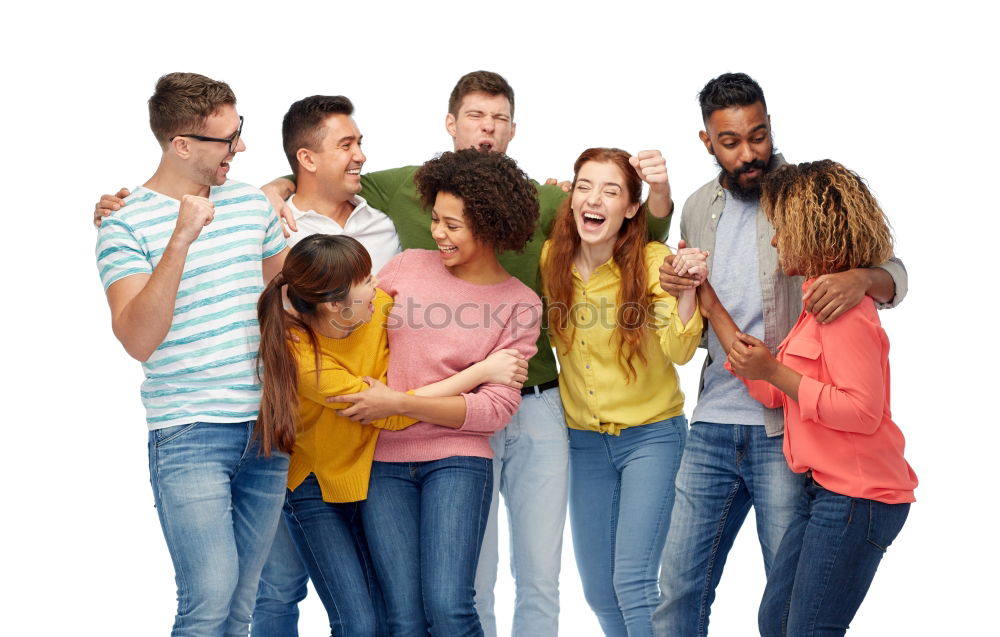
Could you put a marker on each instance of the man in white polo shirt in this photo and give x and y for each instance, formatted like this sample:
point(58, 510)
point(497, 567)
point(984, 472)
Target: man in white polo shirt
point(323, 146)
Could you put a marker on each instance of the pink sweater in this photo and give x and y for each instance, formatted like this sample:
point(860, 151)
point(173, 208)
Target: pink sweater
point(440, 325)
point(841, 427)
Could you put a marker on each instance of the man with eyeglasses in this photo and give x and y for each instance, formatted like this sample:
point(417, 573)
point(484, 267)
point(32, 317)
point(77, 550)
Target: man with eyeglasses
point(182, 266)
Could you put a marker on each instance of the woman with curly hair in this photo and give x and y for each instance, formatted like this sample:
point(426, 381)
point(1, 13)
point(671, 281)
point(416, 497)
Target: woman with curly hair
point(618, 336)
point(833, 382)
point(431, 484)
point(330, 338)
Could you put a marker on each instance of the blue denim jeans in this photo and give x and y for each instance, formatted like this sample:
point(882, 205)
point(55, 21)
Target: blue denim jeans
point(620, 498)
point(218, 501)
point(530, 470)
point(283, 584)
point(826, 562)
point(324, 541)
point(424, 522)
point(725, 470)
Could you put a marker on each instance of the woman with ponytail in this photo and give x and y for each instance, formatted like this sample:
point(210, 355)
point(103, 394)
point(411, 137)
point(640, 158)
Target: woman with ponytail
point(332, 340)
point(618, 336)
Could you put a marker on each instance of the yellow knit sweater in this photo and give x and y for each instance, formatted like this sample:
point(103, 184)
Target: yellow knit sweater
point(339, 451)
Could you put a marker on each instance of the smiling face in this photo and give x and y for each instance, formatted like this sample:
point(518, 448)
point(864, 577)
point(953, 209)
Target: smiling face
point(740, 139)
point(451, 231)
point(483, 121)
point(357, 309)
point(211, 159)
point(601, 203)
point(337, 164)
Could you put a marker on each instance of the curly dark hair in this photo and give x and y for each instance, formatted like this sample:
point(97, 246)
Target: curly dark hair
point(500, 203)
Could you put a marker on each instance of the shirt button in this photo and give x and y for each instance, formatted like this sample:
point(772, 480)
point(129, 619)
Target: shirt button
point(582, 343)
point(587, 366)
point(591, 392)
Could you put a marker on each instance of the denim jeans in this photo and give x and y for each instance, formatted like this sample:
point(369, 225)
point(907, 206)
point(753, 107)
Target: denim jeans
point(826, 562)
point(620, 497)
point(283, 584)
point(725, 470)
point(218, 501)
point(424, 522)
point(530, 469)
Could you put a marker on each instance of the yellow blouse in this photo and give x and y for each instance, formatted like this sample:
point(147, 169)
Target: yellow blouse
point(592, 383)
point(338, 450)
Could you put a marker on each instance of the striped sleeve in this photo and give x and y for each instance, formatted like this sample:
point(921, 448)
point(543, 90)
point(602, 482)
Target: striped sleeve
point(119, 253)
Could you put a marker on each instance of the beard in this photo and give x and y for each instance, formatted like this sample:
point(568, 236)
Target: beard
point(750, 192)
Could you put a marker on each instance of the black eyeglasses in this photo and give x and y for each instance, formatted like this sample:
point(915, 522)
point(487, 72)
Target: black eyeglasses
point(233, 140)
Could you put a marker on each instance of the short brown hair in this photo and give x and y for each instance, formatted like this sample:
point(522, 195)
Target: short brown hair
point(183, 101)
point(825, 217)
point(302, 126)
point(480, 82)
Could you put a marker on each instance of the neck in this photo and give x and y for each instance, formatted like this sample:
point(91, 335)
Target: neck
point(310, 197)
point(591, 256)
point(484, 271)
point(169, 181)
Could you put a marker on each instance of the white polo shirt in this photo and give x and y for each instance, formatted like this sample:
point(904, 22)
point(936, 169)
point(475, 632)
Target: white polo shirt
point(369, 226)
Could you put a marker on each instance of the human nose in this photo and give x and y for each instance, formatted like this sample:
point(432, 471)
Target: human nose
point(240, 146)
point(746, 153)
point(436, 231)
point(359, 155)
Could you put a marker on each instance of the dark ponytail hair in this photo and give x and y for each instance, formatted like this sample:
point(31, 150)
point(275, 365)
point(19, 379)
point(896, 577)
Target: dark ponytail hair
point(320, 269)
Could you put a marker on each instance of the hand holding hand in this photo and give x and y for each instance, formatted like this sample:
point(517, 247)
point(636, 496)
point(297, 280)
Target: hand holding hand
point(750, 358)
point(673, 283)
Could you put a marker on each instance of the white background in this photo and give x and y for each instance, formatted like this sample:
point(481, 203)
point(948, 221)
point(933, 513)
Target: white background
point(903, 94)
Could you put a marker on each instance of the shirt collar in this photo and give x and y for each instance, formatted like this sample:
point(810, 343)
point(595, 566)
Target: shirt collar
point(360, 205)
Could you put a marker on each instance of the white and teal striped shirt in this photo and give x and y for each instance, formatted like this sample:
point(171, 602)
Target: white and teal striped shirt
point(205, 368)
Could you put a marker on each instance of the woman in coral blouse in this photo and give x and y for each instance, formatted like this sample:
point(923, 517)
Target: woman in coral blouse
point(833, 382)
point(618, 336)
point(337, 324)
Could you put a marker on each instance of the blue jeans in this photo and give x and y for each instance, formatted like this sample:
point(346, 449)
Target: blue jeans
point(620, 497)
point(530, 469)
point(218, 501)
point(324, 541)
point(725, 470)
point(826, 562)
point(424, 522)
point(283, 584)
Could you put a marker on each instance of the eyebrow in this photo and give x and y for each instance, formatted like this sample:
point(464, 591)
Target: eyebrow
point(735, 134)
point(347, 138)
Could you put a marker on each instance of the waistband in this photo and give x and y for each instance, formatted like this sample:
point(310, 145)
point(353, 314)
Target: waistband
point(537, 389)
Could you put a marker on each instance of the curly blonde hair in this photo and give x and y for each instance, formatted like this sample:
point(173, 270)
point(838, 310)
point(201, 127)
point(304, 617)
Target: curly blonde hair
point(825, 217)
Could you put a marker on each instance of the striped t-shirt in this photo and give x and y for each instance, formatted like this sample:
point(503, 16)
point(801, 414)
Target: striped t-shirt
point(205, 368)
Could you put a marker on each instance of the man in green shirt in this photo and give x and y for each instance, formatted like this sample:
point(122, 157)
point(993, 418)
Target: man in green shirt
point(531, 453)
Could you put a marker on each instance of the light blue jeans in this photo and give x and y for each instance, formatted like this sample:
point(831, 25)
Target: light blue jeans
point(218, 501)
point(725, 470)
point(620, 498)
point(530, 470)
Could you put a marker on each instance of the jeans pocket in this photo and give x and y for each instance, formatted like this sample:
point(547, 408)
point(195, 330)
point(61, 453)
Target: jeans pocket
point(166, 435)
point(885, 521)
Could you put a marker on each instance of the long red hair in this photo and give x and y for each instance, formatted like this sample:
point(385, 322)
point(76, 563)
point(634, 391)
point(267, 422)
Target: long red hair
point(634, 309)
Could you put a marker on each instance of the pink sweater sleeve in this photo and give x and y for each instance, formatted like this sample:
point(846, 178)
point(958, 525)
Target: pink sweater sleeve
point(490, 407)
